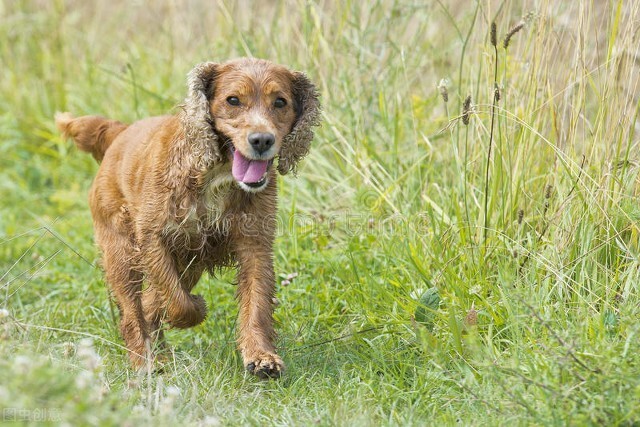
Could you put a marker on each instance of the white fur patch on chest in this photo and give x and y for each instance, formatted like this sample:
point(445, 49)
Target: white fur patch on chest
point(205, 213)
point(215, 196)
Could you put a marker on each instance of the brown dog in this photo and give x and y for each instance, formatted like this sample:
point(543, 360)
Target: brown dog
point(177, 195)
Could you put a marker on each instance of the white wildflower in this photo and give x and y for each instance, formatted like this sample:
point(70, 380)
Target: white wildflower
point(171, 395)
point(210, 421)
point(417, 293)
point(22, 364)
point(475, 290)
point(88, 355)
point(84, 379)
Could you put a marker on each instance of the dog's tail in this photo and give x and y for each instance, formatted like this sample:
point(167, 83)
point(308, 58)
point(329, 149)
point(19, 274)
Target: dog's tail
point(93, 134)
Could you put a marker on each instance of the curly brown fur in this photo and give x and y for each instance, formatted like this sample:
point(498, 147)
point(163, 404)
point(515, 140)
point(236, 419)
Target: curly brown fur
point(296, 144)
point(177, 195)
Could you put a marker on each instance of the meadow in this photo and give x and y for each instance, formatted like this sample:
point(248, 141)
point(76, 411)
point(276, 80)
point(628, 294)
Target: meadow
point(498, 169)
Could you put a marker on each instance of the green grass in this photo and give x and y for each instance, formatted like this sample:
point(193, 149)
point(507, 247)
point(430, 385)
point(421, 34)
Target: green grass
point(538, 322)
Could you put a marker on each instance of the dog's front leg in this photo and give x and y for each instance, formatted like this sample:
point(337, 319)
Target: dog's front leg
point(168, 296)
point(256, 287)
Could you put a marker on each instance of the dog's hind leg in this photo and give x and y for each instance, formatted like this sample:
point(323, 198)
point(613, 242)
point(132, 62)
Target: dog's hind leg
point(152, 303)
point(125, 282)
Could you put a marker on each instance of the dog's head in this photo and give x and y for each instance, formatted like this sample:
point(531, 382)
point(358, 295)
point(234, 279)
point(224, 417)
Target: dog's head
point(252, 111)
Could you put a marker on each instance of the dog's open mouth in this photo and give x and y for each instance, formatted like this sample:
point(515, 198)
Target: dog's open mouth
point(250, 172)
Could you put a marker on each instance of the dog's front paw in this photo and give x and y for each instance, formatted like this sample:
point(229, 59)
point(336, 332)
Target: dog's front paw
point(264, 365)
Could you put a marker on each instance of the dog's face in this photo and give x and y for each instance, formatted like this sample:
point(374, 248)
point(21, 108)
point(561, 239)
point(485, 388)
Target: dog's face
point(254, 108)
point(250, 111)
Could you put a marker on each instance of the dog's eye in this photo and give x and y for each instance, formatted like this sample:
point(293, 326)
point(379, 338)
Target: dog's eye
point(280, 103)
point(233, 100)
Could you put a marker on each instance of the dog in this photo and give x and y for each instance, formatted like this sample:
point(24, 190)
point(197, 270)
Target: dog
point(180, 194)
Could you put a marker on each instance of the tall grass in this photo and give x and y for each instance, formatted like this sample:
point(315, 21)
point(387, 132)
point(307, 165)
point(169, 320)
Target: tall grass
point(526, 219)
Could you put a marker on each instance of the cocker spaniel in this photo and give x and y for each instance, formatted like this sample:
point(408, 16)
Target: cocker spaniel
point(176, 195)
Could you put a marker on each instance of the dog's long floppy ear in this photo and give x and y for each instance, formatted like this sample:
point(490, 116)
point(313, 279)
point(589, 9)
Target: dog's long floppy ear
point(296, 144)
point(196, 120)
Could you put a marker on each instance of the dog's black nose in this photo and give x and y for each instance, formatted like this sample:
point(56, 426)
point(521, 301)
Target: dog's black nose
point(261, 142)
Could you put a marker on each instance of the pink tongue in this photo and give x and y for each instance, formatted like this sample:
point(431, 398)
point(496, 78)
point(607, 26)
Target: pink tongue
point(246, 170)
